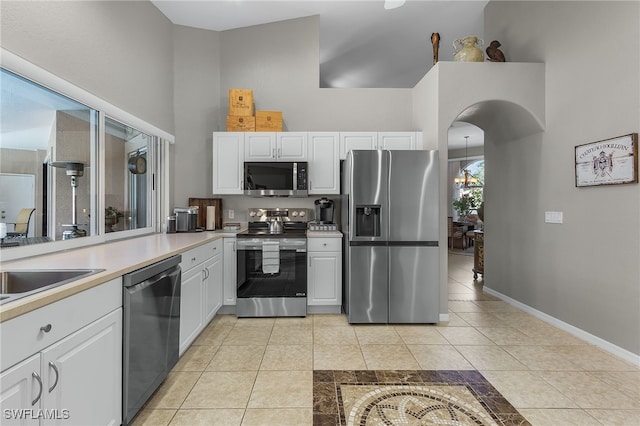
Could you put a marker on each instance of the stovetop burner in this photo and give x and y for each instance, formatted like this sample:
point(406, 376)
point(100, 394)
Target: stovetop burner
point(294, 221)
point(264, 233)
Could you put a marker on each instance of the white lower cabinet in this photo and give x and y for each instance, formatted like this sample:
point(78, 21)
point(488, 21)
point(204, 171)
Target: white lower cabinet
point(324, 273)
point(191, 307)
point(201, 291)
point(76, 381)
point(21, 390)
point(212, 286)
point(230, 272)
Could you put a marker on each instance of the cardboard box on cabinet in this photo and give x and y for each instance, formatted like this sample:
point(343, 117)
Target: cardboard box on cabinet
point(241, 102)
point(268, 121)
point(241, 123)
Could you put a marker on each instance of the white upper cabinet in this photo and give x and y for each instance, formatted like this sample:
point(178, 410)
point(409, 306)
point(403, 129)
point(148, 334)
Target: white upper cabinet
point(324, 164)
point(357, 140)
point(260, 146)
point(397, 140)
point(379, 140)
point(323, 151)
point(272, 146)
point(292, 146)
point(228, 162)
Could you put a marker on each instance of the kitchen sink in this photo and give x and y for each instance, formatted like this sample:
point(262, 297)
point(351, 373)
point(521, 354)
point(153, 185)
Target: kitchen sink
point(16, 284)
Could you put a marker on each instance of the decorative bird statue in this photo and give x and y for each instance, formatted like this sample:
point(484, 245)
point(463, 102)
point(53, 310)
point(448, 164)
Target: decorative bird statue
point(495, 54)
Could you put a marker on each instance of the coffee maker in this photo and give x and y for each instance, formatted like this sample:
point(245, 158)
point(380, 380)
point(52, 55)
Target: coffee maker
point(324, 216)
point(324, 210)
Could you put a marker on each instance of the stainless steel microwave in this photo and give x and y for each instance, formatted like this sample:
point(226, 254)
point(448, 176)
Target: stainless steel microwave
point(271, 179)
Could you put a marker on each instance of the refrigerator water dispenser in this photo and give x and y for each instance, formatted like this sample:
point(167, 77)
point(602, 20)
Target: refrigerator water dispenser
point(368, 220)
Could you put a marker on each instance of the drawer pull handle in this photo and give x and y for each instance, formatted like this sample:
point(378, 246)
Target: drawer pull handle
point(193, 259)
point(46, 328)
point(37, 377)
point(52, 365)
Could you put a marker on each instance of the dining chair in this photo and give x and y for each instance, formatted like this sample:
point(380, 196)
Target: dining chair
point(21, 225)
point(454, 233)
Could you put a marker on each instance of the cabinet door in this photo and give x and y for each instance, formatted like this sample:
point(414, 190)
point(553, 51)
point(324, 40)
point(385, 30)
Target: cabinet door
point(292, 146)
point(323, 278)
point(324, 163)
point(229, 271)
point(191, 307)
point(397, 140)
point(228, 158)
point(82, 374)
point(260, 146)
point(357, 140)
point(20, 386)
point(212, 287)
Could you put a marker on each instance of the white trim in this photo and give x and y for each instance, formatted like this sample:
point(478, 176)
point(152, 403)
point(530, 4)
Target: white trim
point(17, 65)
point(581, 334)
point(444, 317)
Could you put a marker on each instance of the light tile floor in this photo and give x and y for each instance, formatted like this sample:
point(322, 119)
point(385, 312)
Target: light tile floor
point(259, 371)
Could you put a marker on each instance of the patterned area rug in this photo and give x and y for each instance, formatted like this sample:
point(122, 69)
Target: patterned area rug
point(408, 397)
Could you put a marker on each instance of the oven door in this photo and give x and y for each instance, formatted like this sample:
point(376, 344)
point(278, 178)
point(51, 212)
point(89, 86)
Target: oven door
point(287, 280)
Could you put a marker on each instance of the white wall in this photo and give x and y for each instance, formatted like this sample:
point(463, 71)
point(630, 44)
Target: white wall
point(585, 271)
point(197, 109)
point(280, 63)
point(118, 51)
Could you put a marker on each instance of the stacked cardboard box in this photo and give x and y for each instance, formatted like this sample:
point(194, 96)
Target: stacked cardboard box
point(242, 119)
point(268, 121)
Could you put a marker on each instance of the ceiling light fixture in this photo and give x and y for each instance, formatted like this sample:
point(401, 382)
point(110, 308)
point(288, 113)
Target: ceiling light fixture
point(393, 4)
point(468, 181)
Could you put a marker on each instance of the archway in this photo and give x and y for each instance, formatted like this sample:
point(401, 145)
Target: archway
point(488, 96)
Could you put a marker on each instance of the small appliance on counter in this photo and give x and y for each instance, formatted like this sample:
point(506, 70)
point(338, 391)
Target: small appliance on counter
point(324, 216)
point(324, 210)
point(186, 219)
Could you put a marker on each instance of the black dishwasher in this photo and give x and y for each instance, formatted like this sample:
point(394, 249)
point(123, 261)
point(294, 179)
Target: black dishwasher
point(151, 331)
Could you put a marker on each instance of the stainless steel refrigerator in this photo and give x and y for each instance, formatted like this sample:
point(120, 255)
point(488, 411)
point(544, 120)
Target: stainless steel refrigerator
point(390, 221)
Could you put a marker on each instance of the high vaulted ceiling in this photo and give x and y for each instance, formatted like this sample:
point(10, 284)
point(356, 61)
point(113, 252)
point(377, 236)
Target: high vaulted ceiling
point(362, 44)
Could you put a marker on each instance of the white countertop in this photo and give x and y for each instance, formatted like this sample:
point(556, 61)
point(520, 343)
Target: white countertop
point(116, 258)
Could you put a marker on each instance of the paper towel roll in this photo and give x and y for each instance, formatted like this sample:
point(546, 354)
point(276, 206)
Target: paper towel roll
point(211, 218)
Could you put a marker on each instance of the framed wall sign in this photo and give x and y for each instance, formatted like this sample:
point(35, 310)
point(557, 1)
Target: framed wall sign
point(608, 162)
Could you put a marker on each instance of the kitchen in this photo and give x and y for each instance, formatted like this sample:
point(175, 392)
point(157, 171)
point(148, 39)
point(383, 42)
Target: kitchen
point(329, 115)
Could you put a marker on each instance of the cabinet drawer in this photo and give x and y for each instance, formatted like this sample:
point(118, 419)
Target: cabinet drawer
point(324, 244)
point(22, 336)
point(197, 255)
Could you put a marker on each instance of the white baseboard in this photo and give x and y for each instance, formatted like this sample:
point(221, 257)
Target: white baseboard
point(588, 337)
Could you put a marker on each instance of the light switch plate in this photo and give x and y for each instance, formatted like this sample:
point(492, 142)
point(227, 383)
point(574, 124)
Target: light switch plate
point(553, 217)
point(232, 214)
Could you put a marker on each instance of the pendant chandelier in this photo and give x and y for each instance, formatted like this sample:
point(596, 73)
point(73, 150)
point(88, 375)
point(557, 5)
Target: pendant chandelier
point(468, 180)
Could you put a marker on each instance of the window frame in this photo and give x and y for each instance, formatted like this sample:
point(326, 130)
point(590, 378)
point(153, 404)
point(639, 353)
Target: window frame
point(159, 154)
